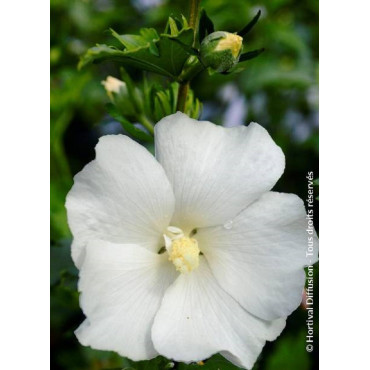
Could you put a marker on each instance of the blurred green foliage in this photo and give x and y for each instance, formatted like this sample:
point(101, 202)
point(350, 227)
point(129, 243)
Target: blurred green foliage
point(279, 90)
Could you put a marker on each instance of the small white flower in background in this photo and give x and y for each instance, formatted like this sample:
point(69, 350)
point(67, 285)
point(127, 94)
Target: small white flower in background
point(112, 84)
point(189, 253)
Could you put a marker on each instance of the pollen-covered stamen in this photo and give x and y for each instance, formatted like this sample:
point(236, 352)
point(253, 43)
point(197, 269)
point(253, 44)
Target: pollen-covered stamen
point(183, 251)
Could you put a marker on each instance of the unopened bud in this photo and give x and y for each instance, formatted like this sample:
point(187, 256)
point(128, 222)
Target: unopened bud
point(121, 97)
point(221, 50)
point(113, 85)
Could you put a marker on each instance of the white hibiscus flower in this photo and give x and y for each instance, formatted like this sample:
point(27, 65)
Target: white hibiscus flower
point(189, 253)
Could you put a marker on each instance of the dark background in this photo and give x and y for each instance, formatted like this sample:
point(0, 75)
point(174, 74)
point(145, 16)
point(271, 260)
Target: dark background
point(279, 90)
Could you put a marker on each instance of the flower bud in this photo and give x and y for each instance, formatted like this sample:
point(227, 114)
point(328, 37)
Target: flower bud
point(113, 85)
point(221, 50)
point(120, 96)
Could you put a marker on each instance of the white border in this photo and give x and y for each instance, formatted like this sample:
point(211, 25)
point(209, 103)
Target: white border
point(24, 153)
point(344, 184)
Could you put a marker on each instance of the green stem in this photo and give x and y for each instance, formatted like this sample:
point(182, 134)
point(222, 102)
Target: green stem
point(193, 23)
point(146, 123)
point(182, 95)
point(194, 15)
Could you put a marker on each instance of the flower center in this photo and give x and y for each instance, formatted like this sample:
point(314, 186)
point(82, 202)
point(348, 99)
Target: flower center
point(183, 251)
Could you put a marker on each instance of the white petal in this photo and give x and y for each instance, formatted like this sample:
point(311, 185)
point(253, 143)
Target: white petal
point(123, 196)
point(122, 286)
point(259, 258)
point(197, 319)
point(215, 171)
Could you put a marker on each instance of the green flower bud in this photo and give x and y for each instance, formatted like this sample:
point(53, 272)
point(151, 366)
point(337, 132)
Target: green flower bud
point(221, 50)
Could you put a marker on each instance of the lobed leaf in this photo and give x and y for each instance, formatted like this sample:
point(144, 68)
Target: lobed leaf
point(148, 51)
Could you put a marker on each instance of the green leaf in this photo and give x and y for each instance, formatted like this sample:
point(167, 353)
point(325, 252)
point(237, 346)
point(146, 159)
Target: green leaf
point(197, 110)
point(158, 363)
point(158, 110)
point(164, 101)
point(100, 53)
point(103, 360)
point(187, 48)
point(58, 215)
point(147, 38)
point(216, 362)
point(250, 55)
point(133, 93)
point(205, 26)
point(184, 21)
point(61, 265)
point(174, 31)
point(250, 25)
point(127, 125)
point(282, 357)
point(193, 106)
point(173, 93)
point(147, 51)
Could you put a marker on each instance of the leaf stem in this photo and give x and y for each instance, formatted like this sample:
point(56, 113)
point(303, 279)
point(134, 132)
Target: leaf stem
point(184, 86)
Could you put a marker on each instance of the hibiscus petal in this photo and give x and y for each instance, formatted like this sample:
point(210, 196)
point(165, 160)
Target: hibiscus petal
point(197, 319)
point(122, 287)
point(259, 257)
point(215, 171)
point(123, 196)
